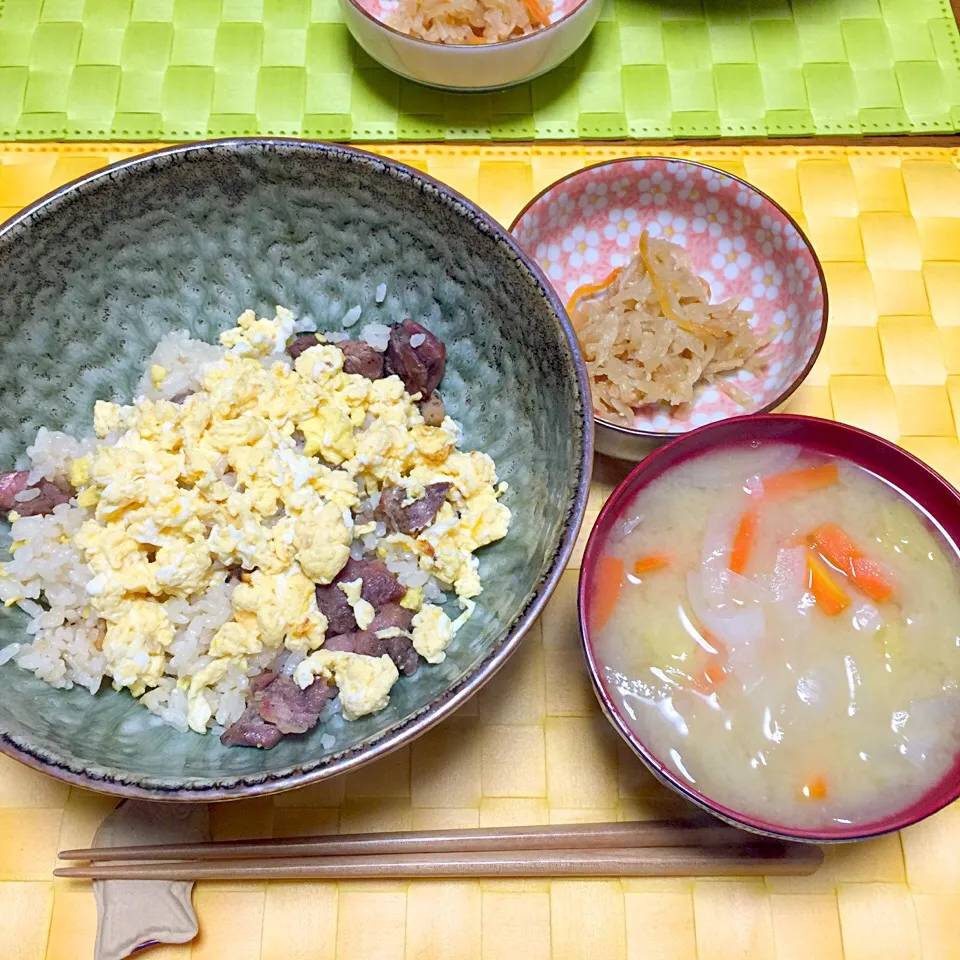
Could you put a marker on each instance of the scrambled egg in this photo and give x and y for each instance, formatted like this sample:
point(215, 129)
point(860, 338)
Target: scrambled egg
point(259, 473)
point(284, 609)
point(432, 633)
point(364, 682)
point(363, 611)
point(433, 629)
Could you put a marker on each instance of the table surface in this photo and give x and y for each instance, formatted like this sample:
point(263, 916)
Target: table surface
point(187, 69)
point(532, 747)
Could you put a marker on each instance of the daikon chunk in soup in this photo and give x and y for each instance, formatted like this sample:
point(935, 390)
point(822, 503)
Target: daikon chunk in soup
point(782, 630)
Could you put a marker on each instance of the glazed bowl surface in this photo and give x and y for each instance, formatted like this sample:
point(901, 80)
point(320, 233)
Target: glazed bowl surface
point(95, 274)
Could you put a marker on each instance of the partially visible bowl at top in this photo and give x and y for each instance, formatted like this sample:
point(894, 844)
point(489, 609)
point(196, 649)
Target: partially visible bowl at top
point(187, 238)
point(737, 239)
point(476, 67)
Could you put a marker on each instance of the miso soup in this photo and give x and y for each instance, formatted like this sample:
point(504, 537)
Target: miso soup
point(781, 629)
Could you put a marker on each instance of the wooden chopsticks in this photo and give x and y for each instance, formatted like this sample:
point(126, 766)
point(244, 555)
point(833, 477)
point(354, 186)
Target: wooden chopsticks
point(647, 848)
point(646, 833)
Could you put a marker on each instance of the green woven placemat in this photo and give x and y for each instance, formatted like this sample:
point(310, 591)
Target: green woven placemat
point(182, 69)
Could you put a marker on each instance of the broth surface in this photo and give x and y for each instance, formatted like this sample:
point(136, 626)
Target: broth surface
point(816, 687)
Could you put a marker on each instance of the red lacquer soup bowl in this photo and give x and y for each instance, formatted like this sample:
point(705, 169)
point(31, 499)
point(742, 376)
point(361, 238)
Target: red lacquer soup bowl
point(937, 498)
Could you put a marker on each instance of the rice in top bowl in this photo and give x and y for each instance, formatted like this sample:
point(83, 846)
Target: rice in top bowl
point(272, 523)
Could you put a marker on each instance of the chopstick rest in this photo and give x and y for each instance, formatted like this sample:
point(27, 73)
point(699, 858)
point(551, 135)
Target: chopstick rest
point(138, 913)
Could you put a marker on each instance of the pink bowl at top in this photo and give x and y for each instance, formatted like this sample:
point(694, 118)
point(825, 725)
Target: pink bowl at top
point(738, 239)
point(918, 481)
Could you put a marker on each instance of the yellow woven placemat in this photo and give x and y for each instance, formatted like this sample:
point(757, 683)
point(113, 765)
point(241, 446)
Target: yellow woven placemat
point(532, 747)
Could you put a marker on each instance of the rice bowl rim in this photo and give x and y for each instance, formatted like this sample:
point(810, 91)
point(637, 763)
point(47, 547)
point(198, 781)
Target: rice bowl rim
point(791, 388)
point(468, 46)
point(114, 781)
point(858, 445)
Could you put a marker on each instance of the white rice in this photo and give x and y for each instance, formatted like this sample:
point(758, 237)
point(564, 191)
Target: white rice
point(417, 339)
point(304, 325)
point(51, 453)
point(182, 359)
point(351, 316)
point(376, 334)
point(9, 652)
point(292, 661)
point(381, 293)
point(65, 632)
point(410, 574)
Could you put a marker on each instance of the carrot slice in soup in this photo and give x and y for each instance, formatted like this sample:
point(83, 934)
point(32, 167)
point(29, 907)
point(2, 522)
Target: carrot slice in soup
point(801, 481)
point(872, 579)
point(711, 677)
point(830, 596)
point(654, 561)
point(836, 546)
point(589, 289)
point(743, 540)
point(844, 554)
point(606, 590)
point(815, 788)
point(715, 673)
point(716, 670)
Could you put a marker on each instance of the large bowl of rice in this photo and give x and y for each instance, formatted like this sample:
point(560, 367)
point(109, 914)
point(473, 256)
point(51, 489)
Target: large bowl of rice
point(96, 275)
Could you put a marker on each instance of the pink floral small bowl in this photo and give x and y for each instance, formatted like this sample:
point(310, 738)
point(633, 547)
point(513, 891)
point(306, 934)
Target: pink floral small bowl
point(739, 240)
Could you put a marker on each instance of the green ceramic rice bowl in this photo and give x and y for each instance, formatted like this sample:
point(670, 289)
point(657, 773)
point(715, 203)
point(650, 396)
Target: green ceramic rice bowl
point(94, 275)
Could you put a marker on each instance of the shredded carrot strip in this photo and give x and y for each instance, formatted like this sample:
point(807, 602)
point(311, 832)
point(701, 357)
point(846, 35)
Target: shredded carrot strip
point(606, 592)
point(830, 596)
point(697, 329)
point(816, 788)
point(589, 289)
point(662, 293)
point(537, 13)
point(743, 540)
point(801, 481)
point(834, 544)
point(663, 296)
point(654, 561)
